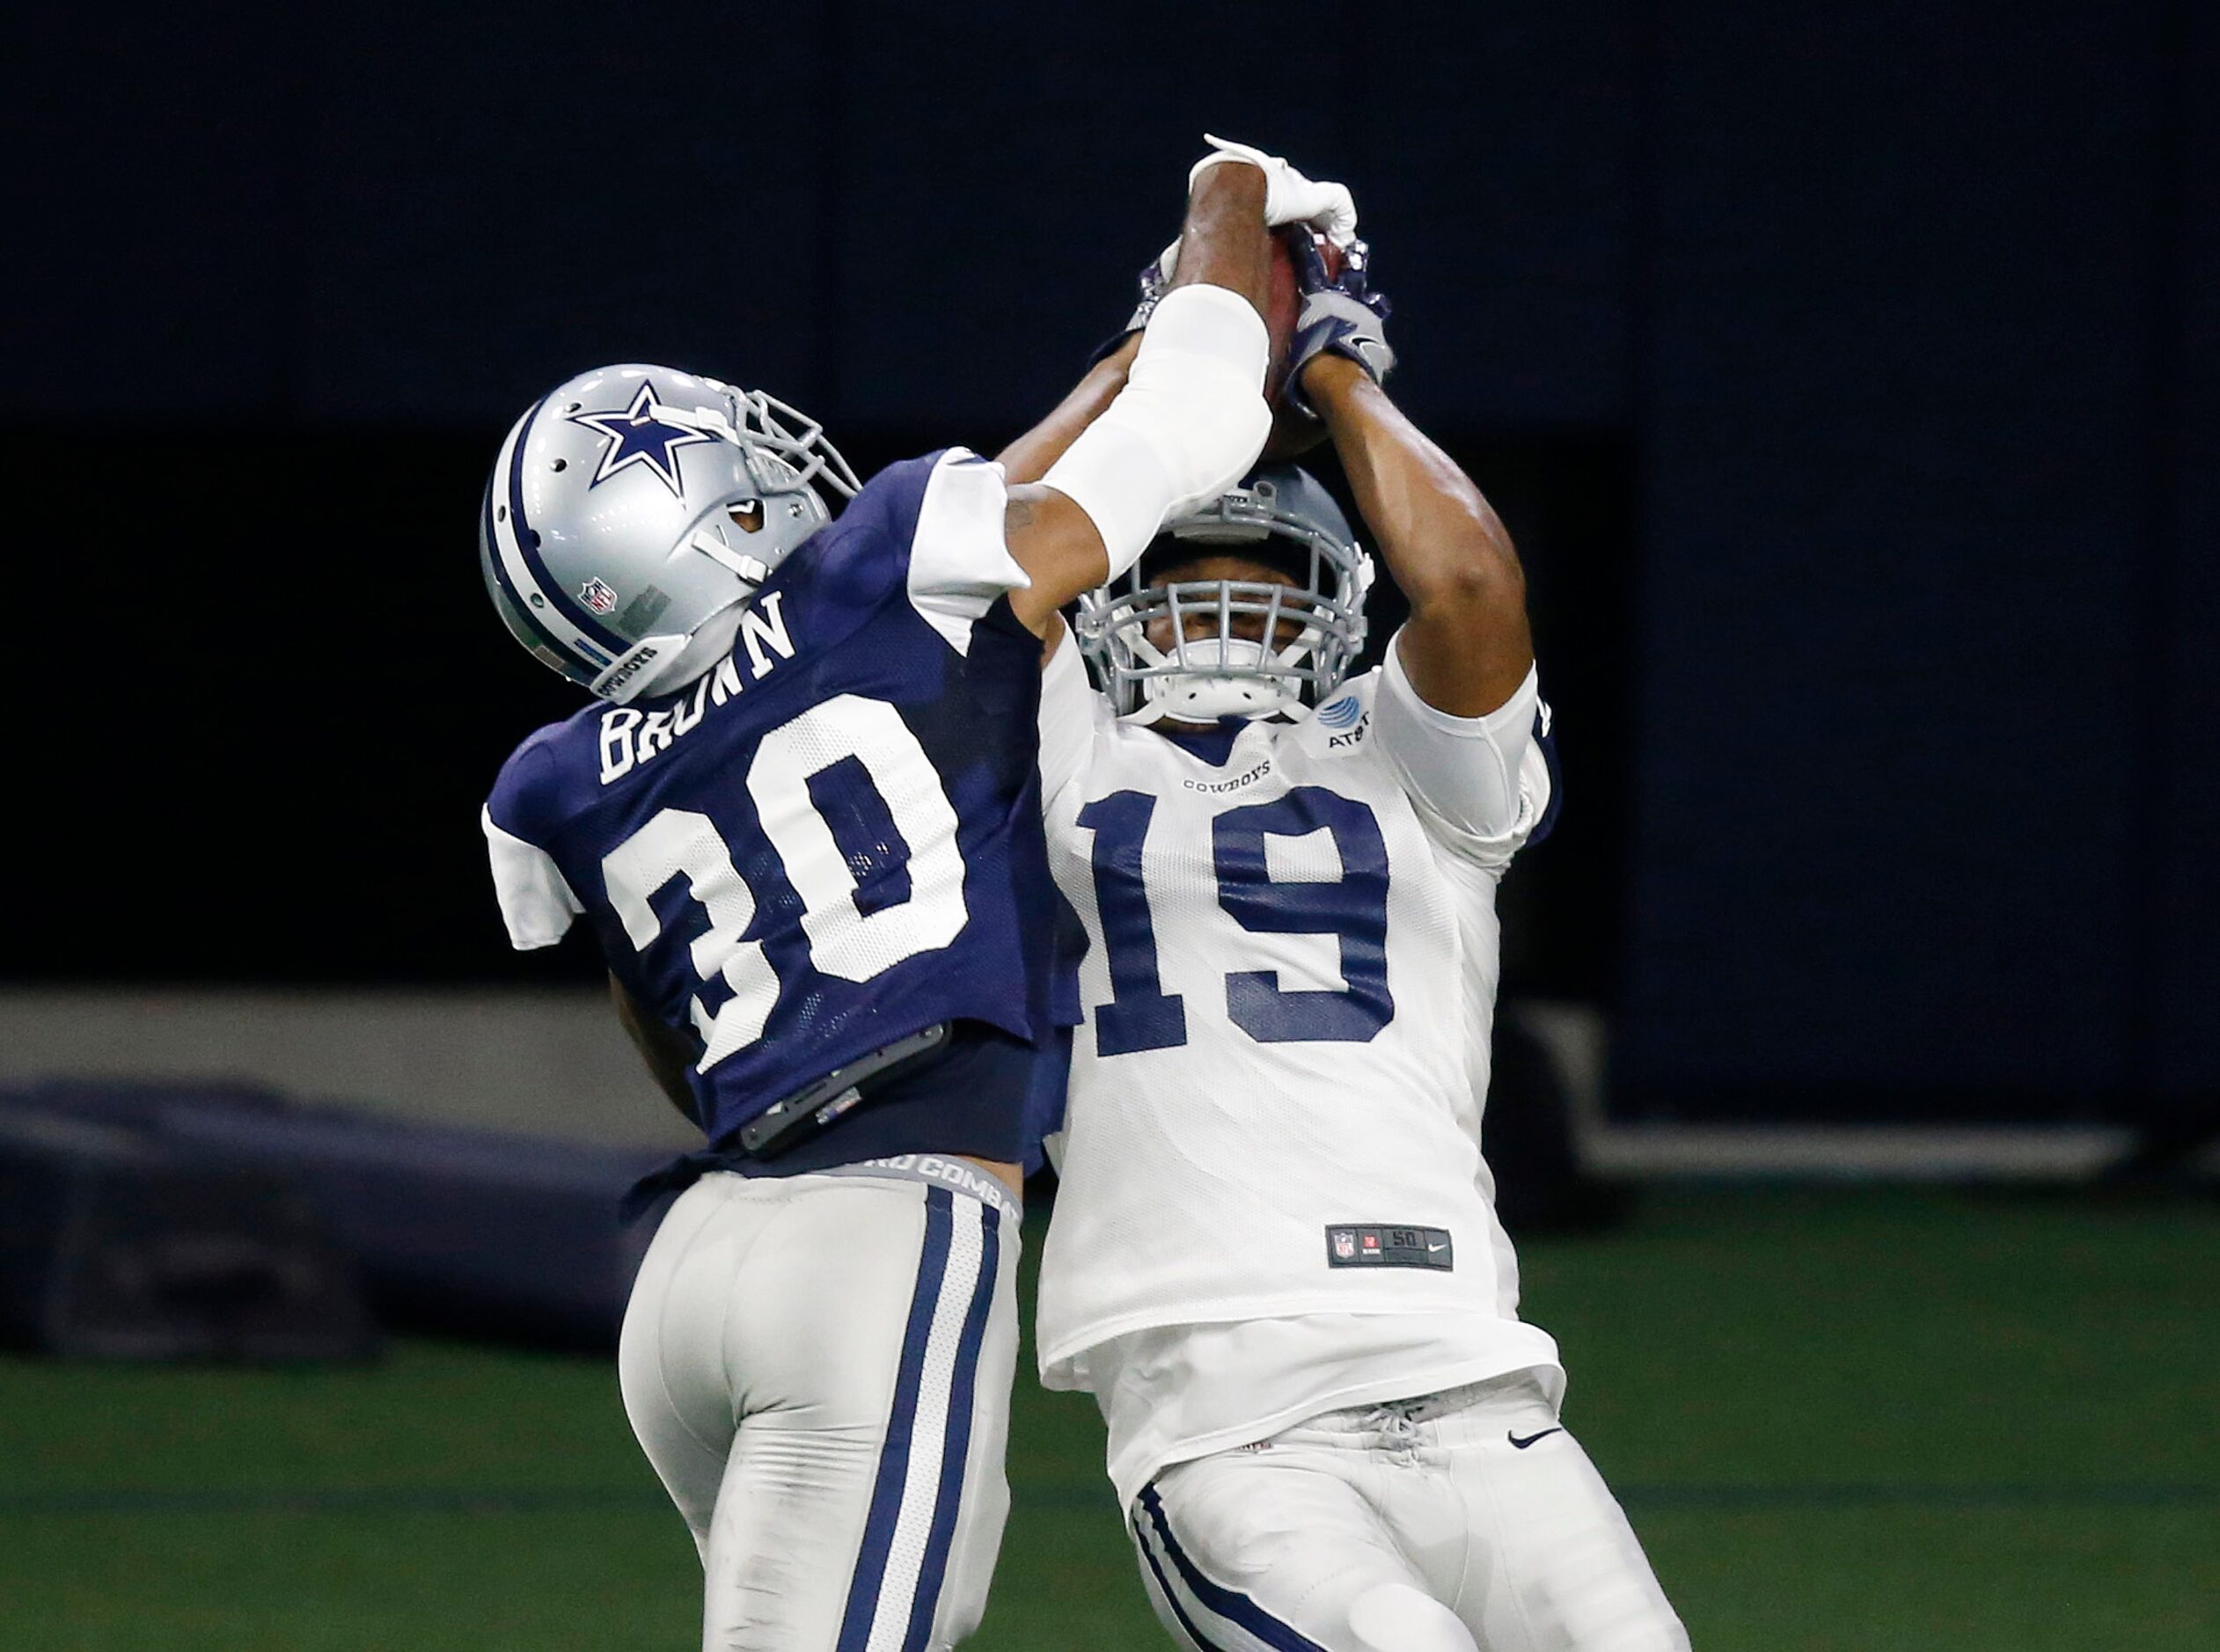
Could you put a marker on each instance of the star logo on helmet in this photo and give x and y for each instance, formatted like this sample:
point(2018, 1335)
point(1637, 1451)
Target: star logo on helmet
point(645, 433)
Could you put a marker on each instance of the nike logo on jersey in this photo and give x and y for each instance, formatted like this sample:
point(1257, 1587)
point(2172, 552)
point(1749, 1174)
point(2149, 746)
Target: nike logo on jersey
point(1520, 1444)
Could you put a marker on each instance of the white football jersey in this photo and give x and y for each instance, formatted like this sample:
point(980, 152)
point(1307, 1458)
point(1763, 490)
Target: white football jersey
point(1275, 1098)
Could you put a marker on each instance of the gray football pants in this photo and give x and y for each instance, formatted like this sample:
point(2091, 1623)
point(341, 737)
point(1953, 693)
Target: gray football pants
point(819, 1367)
point(1421, 1526)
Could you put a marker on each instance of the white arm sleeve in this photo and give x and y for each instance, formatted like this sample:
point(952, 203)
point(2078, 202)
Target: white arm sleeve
point(1067, 718)
point(960, 563)
point(535, 902)
point(1481, 783)
point(1190, 421)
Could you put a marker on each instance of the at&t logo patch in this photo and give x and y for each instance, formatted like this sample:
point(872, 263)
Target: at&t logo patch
point(1342, 713)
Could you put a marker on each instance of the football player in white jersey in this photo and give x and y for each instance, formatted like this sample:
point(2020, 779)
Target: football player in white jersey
point(1275, 1259)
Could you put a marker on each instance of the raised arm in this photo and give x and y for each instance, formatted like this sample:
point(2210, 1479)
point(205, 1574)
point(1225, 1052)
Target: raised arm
point(1467, 648)
point(1188, 419)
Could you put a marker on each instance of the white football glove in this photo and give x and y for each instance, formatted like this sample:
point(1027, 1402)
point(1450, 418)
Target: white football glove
point(1289, 197)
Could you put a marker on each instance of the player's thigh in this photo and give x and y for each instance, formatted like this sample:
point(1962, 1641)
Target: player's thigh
point(1264, 1550)
point(864, 1498)
point(1553, 1564)
point(670, 1360)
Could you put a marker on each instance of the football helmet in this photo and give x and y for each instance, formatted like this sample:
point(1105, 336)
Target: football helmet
point(633, 510)
point(1281, 517)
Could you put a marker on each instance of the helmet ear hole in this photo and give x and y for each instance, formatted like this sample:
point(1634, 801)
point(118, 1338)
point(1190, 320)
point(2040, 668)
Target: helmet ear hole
point(747, 515)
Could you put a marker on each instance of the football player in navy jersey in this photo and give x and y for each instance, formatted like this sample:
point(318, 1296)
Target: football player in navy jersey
point(803, 821)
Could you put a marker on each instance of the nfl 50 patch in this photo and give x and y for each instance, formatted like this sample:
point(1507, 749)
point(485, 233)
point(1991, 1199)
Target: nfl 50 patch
point(1367, 1246)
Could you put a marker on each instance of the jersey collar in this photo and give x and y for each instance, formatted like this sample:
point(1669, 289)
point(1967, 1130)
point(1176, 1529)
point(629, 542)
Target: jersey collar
point(1213, 745)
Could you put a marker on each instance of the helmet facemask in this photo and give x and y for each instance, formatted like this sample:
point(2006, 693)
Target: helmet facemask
point(1311, 631)
point(786, 449)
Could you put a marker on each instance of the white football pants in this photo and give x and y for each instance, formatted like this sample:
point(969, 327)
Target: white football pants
point(819, 1366)
point(1419, 1527)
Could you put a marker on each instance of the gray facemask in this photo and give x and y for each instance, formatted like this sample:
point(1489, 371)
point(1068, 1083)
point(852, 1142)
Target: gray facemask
point(1315, 628)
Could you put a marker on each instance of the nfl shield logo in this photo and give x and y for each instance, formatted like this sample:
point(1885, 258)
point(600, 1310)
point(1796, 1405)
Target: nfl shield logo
point(599, 596)
point(1344, 1246)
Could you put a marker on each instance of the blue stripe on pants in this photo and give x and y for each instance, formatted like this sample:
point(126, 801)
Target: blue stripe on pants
point(894, 1456)
point(956, 1446)
point(1164, 1588)
point(1236, 1609)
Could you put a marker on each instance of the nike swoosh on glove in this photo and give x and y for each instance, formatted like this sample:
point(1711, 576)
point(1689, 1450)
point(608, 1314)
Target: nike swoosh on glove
point(1342, 314)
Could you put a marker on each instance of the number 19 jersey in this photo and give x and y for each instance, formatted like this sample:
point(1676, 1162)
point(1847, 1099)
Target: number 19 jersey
point(1276, 1092)
point(832, 839)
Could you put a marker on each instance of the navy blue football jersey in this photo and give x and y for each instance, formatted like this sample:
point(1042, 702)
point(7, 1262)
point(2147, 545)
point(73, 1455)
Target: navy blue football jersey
point(834, 838)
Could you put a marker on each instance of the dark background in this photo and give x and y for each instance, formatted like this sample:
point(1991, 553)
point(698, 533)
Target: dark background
point(1850, 375)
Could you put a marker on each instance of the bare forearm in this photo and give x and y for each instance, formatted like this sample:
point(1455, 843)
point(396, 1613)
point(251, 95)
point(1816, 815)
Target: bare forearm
point(1467, 646)
point(1223, 241)
point(1059, 543)
point(668, 1054)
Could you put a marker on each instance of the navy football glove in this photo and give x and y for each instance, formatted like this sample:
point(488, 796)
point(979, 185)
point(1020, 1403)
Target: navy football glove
point(1340, 313)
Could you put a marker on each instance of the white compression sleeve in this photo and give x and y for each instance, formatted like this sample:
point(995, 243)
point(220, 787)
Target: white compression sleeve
point(1190, 423)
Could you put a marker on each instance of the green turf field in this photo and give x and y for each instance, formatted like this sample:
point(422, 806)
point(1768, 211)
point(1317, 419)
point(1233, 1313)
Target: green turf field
point(1840, 1418)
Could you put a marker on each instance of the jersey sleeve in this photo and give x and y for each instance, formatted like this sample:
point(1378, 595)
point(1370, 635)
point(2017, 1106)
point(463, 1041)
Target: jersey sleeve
point(537, 903)
point(960, 564)
point(1068, 703)
point(1482, 786)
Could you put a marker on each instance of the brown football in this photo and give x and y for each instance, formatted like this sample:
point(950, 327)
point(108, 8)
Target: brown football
point(1292, 433)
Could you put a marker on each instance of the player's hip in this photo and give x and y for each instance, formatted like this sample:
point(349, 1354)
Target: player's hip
point(800, 1289)
point(1435, 1522)
point(1294, 1409)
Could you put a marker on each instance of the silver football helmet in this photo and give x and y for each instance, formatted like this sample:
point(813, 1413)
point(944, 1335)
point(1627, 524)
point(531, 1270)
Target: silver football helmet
point(1281, 517)
point(633, 510)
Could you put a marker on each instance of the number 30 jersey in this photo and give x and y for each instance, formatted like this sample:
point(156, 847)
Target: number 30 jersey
point(832, 839)
point(1276, 1092)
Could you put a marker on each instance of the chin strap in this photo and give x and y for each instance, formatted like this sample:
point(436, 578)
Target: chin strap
point(657, 665)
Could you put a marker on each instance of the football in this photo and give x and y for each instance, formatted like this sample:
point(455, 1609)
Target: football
point(1291, 432)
